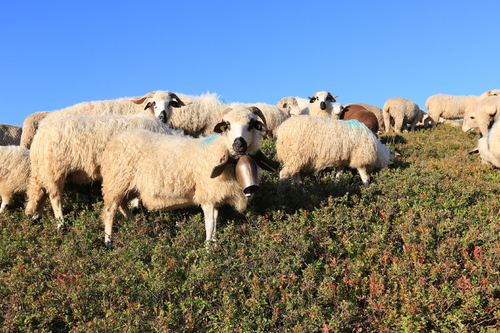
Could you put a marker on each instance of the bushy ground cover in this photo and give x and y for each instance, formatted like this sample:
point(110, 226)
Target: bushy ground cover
point(416, 252)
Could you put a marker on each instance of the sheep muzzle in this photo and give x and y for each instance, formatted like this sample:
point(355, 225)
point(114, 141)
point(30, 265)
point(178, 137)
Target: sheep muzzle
point(163, 116)
point(240, 146)
point(322, 105)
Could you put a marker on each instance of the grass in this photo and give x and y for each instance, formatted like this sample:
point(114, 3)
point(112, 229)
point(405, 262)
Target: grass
point(416, 252)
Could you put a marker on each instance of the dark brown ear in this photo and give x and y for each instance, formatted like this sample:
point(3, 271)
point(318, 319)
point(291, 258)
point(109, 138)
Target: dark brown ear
point(265, 163)
point(219, 169)
point(332, 98)
point(221, 127)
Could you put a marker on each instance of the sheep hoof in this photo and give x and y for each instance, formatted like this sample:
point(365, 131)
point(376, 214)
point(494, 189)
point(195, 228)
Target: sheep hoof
point(135, 210)
point(35, 221)
point(108, 245)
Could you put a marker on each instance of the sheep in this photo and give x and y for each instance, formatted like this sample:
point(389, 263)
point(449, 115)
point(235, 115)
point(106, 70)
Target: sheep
point(356, 112)
point(399, 112)
point(14, 172)
point(200, 116)
point(30, 126)
point(158, 104)
point(443, 106)
point(10, 135)
point(294, 105)
point(179, 171)
point(484, 115)
point(377, 111)
point(321, 104)
point(274, 117)
point(489, 146)
point(70, 148)
point(335, 143)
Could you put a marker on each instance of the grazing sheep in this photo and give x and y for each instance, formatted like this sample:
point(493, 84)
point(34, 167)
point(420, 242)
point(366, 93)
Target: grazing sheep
point(321, 104)
point(10, 135)
point(70, 148)
point(443, 106)
point(179, 171)
point(356, 112)
point(309, 143)
point(489, 146)
point(14, 172)
point(484, 115)
point(377, 111)
point(401, 111)
point(157, 104)
point(30, 126)
point(200, 116)
point(294, 105)
point(274, 117)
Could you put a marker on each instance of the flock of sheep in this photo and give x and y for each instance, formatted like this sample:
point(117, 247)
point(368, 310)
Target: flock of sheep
point(170, 150)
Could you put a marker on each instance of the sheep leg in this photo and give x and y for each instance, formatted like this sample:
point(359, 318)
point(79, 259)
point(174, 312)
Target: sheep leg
point(108, 215)
point(284, 175)
point(55, 194)
point(398, 124)
point(36, 200)
point(364, 176)
point(339, 172)
point(211, 213)
point(5, 201)
point(126, 211)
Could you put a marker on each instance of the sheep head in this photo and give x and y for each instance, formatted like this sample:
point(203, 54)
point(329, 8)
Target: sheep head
point(290, 105)
point(337, 110)
point(242, 131)
point(160, 103)
point(322, 97)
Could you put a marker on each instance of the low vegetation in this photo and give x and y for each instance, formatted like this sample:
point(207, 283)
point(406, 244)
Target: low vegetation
point(416, 252)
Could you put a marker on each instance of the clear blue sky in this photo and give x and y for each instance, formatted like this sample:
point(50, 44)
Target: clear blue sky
point(55, 54)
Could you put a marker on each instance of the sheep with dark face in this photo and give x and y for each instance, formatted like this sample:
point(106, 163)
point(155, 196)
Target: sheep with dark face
point(178, 171)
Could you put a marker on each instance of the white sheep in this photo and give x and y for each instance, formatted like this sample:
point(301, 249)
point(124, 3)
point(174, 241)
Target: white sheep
point(489, 146)
point(157, 104)
point(309, 143)
point(14, 172)
point(30, 126)
point(10, 135)
point(179, 171)
point(377, 111)
point(199, 115)
point(321, 104)
point(401, 111)
point(294, 105)
point(443, 106)
point(70, 149)
point(484, 115)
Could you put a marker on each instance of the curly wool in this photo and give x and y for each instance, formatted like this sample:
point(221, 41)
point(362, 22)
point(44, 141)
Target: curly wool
point(14, 172)
point(10, 135)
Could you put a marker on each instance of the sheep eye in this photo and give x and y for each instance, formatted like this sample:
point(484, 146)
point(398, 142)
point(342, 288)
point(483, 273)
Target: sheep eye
point(257, 125)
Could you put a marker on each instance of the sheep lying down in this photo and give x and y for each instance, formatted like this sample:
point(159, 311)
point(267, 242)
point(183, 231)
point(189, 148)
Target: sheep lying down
point(178, 171)
point(309, 143)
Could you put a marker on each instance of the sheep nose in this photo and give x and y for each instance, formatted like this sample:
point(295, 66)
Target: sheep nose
point(163, 117)
point(322, 105)
point(240, 146)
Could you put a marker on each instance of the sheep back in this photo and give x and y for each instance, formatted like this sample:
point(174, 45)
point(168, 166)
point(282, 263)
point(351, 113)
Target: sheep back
point(200, 116)
point(309, 143)
point(10, 135)
point(376, 110)
point(399, 112)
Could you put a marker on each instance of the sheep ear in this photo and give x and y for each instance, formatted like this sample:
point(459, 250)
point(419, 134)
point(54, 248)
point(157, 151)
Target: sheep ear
point(143, 98)
point(264, 162)
point(332, 98)
point(219, 169)
point(221, 127)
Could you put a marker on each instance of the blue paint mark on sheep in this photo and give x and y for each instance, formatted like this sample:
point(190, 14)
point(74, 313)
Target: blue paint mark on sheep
point(208, 140)
point(353, 122)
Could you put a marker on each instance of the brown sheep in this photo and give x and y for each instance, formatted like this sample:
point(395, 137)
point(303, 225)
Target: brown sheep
point(356, 112)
